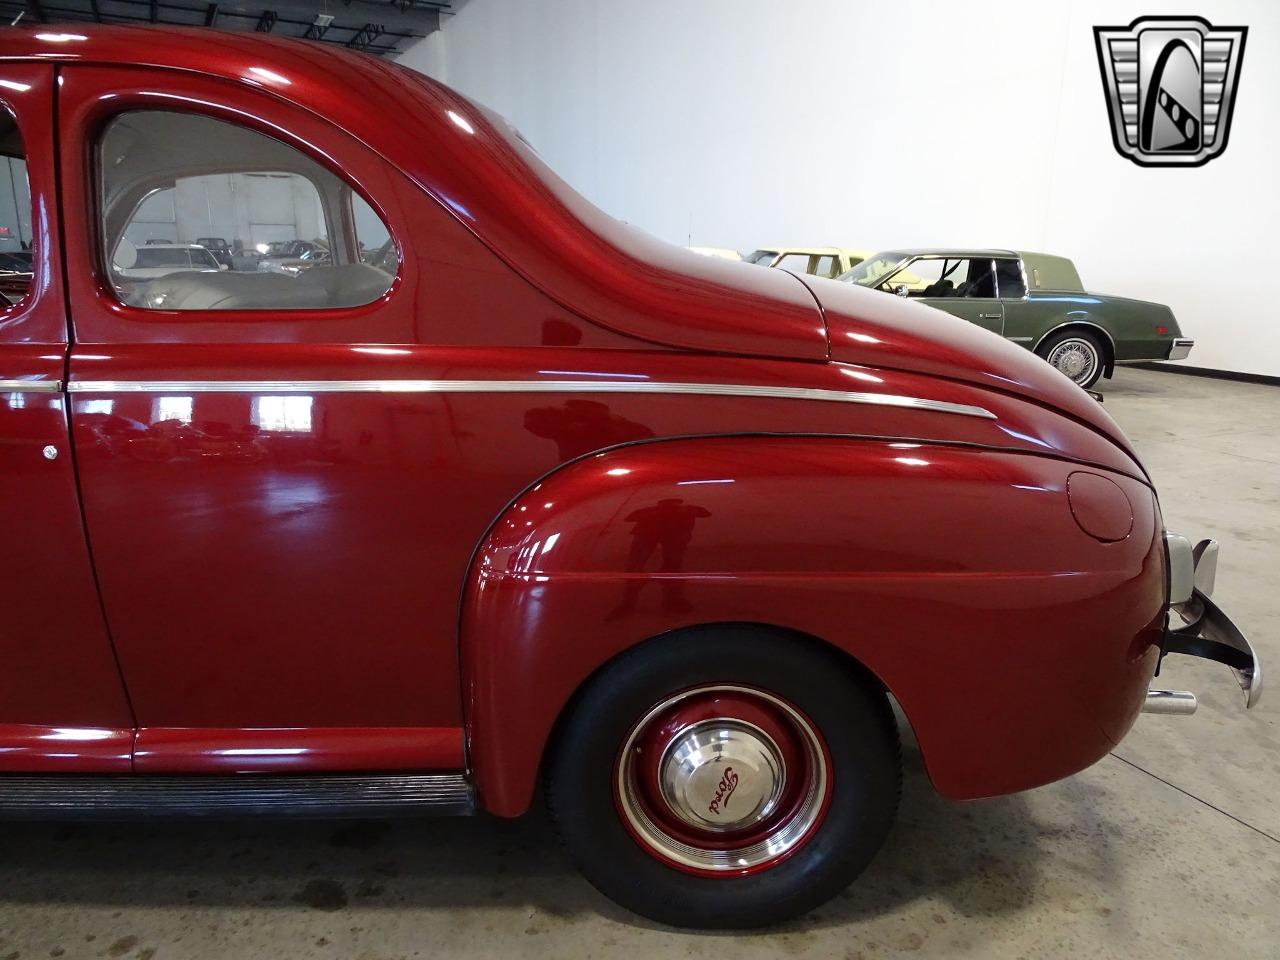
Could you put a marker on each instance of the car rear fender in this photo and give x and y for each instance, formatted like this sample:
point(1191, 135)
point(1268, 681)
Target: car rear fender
point(1019, 645)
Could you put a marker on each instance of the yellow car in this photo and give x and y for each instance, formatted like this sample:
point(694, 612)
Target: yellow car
point(818, 261)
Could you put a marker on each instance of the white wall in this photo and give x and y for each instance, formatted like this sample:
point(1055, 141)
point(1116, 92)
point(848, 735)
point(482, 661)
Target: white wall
point(248, 208)
point(749, 122)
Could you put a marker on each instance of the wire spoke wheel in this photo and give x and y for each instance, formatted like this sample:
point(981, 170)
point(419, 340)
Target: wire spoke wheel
point(1077, 359)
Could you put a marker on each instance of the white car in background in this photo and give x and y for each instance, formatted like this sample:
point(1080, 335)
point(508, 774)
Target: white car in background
point(161, 259)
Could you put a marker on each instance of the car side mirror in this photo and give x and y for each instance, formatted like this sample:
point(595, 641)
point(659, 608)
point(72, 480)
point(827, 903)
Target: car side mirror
point(902, 290)
point(222, 266)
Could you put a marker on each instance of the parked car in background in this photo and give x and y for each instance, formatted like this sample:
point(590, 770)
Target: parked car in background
point(15, 274)
point(526, 499)
point(16, 261)
point(307, 255)
point(218, 247)
point(1034, 299)
point(160, 259)
point(816, 261)
point(724, 253)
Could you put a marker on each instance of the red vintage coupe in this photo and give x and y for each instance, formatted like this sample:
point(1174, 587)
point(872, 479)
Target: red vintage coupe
point(506, 492)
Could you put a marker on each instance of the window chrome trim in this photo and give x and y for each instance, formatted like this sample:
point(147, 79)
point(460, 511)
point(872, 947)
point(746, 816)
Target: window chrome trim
point(30, 386)
point(525, 386)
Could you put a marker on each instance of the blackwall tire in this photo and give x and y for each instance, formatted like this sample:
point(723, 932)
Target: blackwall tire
point(798, 720)
point(1077, 354)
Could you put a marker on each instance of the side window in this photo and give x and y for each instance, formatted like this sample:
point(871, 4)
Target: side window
point(795, 262)
point(1012, 284)
point(934, 277)
point(200, 214)
point(949, 277)
point(826, 267)
point(15, 214)
point(982, 280)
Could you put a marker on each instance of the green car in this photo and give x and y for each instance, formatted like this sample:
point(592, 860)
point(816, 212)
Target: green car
point(1033, 299)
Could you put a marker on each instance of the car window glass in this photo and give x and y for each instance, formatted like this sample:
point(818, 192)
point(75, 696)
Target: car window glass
point(981, 280)
point(948, 278)
point(930, 274)
point(1012, 284)
point(795, 262)
point(826, 267)
point(283, 232)
point(15, 213)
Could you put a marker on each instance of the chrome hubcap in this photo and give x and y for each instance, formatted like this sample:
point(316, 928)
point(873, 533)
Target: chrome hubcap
point(722, 775)
point(723, 780)
point(1076, 359)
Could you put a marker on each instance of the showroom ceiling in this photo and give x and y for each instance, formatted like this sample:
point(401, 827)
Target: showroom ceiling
point(376, 26)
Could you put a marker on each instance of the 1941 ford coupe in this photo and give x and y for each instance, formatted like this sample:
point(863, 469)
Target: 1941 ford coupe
point(504, 491)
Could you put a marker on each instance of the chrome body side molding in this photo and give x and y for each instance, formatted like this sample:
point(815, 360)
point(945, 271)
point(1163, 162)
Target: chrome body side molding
point(525, 386)
point(30, 386)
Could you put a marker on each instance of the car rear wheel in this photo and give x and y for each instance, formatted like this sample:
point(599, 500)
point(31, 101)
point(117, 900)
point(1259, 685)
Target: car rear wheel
point(725, 777)
point(1076, 354)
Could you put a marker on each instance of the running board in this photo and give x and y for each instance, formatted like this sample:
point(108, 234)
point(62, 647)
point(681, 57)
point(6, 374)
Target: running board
point(128, 797)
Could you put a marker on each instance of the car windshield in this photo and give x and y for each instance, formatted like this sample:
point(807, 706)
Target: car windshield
point(764, 257)
point(203, 258)
point(873, 269)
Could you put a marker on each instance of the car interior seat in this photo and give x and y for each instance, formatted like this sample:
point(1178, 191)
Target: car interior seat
point(320, 287)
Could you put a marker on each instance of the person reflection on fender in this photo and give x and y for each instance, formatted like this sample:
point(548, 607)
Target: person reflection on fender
point(667, 526)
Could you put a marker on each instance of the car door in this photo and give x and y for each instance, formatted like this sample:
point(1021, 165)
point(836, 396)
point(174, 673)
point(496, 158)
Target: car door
point(962, 286)
point(62, 704)
point(267, 521)
point(1021, 325)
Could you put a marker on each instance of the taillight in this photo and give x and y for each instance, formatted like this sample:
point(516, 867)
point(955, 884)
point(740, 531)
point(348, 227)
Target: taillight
point(1162, 330)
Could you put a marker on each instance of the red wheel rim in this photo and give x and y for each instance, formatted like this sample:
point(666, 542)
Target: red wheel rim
point(723, 780)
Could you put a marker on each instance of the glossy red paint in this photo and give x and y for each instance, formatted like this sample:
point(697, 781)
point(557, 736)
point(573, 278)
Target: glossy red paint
point(59, 675)
point(1099, 506)
point(297, 586)
point(34, 748)
point(212, 750)
point(1020, 651)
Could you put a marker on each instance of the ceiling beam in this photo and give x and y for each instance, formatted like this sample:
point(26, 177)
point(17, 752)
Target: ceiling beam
point(365, 36)
point(397, 23)
point(319, 27)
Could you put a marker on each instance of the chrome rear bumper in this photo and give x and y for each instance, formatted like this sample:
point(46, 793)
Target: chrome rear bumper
point(1181, 348)
point(1197, 627)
